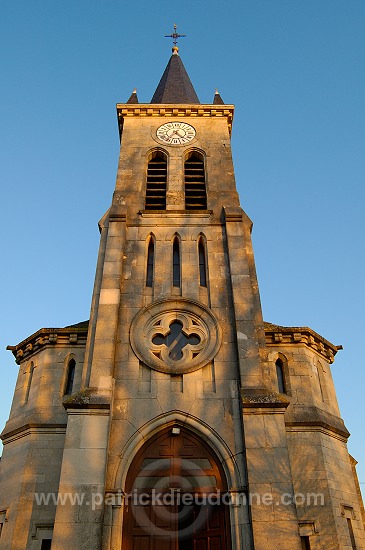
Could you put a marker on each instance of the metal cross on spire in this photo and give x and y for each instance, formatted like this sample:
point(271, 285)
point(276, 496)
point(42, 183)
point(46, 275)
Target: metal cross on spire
point(175, 35)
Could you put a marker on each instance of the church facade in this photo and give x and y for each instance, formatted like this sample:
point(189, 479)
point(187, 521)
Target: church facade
point(176, 418)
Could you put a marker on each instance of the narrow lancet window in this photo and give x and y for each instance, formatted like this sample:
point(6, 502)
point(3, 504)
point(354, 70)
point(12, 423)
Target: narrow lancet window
point(156, 182)
point(176, 267)
point(29, 383)
point(351, 533)
point(202, 263)
point(305, 543)
point(280, 376)
point(150, 262)
point(195, 191)
point(318, 370)
point(70, 376)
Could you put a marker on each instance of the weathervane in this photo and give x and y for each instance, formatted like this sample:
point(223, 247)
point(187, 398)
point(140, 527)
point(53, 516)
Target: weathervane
point(175, 35)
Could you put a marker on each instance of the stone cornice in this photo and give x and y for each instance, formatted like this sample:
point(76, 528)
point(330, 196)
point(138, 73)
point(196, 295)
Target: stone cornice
point(86, 399)
point(45, 337)
point(175, 213)
point(236, 215)
point(32, 428)
point(277, 335)
point(310, 418)
point(172, 110)
point(261, 398)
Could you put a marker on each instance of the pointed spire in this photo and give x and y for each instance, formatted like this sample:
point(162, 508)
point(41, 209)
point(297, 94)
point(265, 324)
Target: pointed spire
point(175, 85)
point(133, 98)
point(217, 99)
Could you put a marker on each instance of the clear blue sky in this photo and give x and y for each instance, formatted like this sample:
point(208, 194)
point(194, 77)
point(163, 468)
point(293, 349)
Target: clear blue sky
point(295, 71)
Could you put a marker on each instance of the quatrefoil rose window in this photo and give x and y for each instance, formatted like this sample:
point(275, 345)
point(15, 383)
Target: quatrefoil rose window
point(175, 336)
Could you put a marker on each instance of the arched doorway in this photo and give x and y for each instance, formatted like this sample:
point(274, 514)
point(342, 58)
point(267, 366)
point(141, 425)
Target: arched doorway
point(174, 491)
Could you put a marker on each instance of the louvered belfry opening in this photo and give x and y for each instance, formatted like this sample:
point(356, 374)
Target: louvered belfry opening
point(156, 182)
point(195, 192)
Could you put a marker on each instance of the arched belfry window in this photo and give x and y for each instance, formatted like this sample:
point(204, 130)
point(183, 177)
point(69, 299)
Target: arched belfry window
point(150, 262)
point(71, 367)
point(280, 376)
point(194, 174)
point(156, 182)
point(202, 262)
point(176, 262)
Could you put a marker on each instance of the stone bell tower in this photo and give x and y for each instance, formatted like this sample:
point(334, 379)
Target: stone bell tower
point(181, 388)
point(175, 284)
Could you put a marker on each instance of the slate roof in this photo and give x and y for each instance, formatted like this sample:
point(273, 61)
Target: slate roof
point(217, 99)
point(175, 85)
point(133, 97)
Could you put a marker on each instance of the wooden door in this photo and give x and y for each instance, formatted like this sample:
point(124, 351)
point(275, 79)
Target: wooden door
point(173, 488)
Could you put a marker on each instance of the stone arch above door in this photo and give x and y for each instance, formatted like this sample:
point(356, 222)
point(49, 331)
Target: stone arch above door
point(177, 418)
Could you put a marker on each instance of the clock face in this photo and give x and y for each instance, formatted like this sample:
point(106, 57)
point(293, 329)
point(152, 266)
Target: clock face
point(175, 133)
